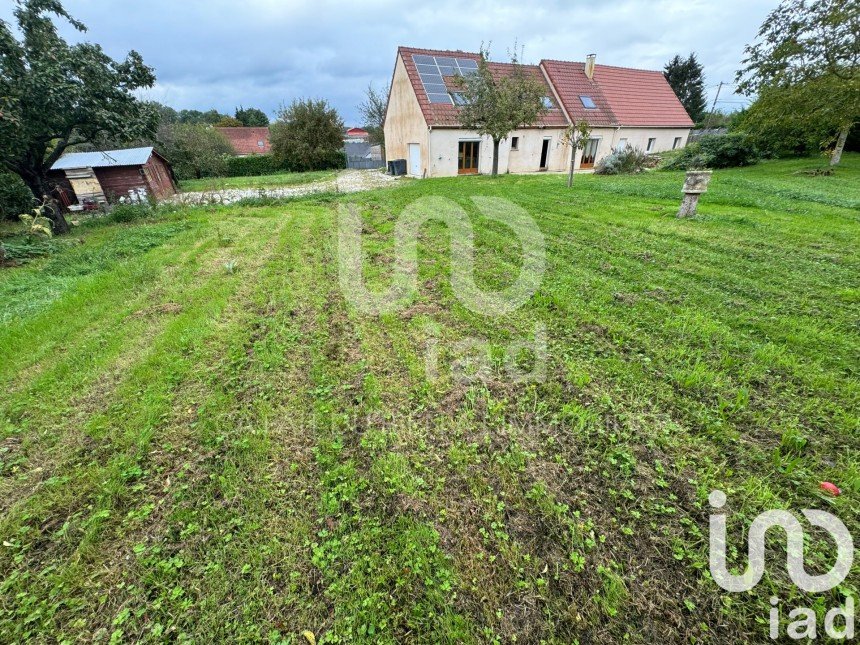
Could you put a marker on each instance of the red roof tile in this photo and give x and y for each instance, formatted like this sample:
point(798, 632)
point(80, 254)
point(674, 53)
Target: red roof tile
point(246, 141)
point(624, 96)
point(442, 114)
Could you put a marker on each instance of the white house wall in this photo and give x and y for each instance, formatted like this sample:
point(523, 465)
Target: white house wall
point(444, 147)
point(404, 121)
point(636, 137)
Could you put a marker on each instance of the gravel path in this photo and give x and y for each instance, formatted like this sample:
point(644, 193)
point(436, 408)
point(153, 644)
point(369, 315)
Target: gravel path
point(348, 181)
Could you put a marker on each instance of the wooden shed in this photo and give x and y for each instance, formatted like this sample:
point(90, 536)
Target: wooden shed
point(133, 174)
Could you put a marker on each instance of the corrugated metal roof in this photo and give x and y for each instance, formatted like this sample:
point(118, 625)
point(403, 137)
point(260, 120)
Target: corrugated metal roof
point(103, 159)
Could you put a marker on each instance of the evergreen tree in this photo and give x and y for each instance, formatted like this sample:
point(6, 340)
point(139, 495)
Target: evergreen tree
point(687, 78)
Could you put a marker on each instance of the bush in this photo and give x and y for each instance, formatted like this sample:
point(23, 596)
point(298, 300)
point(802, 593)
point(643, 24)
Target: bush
point(251, 166)
point(194, 151)
point(124, 213)
point(714, 151)
point(15, 197)
point(308, 136)
point(623, 161)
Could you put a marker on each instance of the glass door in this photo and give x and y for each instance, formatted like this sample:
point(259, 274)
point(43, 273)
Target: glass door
point(589, 154)
point(467, 157)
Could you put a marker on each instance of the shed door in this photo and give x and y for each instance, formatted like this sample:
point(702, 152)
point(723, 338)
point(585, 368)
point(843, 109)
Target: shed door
point(414, 159)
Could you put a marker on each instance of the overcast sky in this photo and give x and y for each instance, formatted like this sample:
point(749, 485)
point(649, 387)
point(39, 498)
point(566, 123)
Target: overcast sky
point(260, 53)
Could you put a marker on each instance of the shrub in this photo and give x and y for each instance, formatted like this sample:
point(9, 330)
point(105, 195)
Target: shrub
point(194, 151)
point(714, 151)
point(308, 136)
point(251, 166)
point(15, 197)
point(124, 213)
point(623, 161)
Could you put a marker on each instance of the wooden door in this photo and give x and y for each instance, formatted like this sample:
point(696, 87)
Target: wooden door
point(415, 159)
point(467, 157)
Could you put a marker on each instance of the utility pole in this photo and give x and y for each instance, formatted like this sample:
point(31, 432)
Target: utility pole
point(713, 107)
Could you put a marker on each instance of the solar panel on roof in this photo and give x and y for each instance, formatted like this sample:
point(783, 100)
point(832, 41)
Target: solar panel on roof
point(422, 59)
point(439, 98)
point(446, 70)
point(444, 60)
point(467, 63)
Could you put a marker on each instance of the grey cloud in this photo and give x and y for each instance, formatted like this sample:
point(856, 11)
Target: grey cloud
point(264, 52)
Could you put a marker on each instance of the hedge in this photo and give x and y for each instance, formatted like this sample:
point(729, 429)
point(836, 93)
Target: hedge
point(251, 166)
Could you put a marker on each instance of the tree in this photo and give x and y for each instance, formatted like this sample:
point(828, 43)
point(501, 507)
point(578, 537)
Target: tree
point(229, 122)
point(252, 117)
point(308, 135)
point(194, 150)
point(55, 95)
point(688, 81)
point(804, 67)
point(576, 136)
point(196, 117)
point(372, 111)
point(495, 104)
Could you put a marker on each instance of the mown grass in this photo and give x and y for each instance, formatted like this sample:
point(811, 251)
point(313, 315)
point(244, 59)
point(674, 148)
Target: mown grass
point(259, 181)
point(195, 452)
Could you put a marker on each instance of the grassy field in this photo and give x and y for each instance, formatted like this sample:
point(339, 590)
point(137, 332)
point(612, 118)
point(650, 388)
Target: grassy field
point(201, 439)
point(260, 181)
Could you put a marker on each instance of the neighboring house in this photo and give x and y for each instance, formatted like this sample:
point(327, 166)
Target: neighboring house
point(623, 106)
point(248, 141)
point(111, 175)
point(356, 134)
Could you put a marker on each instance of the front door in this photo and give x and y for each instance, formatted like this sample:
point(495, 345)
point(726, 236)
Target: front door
point(415, 159)
point(544, 154)
point(467, 157)
point(589, 154)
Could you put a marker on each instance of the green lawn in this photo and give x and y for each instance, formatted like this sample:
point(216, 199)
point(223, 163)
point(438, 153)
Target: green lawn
point(260, 181)
point(202, 440)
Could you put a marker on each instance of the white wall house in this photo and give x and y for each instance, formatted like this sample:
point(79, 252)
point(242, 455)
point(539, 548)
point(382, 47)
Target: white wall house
point(623, 106)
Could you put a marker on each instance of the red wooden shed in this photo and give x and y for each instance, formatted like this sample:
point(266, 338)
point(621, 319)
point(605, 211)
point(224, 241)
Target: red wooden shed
point(110, 175)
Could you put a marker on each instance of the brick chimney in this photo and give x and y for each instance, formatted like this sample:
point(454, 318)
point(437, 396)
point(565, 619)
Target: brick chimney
point(589, 65)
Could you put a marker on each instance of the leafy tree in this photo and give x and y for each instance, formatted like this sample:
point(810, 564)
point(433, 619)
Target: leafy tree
point(308, 135)
point(686, 76)
point(252, 117)
point(15, 197)
point(196, 117)
point(194, 150)
point(229, 122)
point(495, 104)
point(55, 95)
point(804, 68)
point(372, 111)
point(166, 114)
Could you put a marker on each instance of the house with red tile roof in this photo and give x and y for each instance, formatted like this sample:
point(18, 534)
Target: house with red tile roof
point(623, 106)
point(247, 141)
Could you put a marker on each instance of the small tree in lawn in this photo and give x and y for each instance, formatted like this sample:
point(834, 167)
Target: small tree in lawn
point(372, 111)
point(576, 136)
point(494, 105)
point(54, 95)
point(806, 67)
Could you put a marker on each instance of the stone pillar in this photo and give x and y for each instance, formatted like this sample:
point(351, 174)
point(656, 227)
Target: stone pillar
point(695, 184)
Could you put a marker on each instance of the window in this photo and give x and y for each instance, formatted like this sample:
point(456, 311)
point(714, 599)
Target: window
point(676, 143)
point(261, 144)
point(458, 98)
point(548, 104)
point(622, 143)
point(515, 143)
point(587, 102)
point(651, 143)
